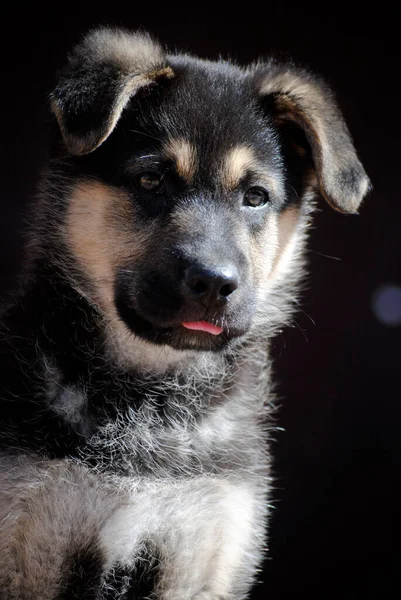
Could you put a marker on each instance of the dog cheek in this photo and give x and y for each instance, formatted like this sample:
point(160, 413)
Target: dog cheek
point(277, 250)
point(264, 247)
point(102, 237)
point(288, 242)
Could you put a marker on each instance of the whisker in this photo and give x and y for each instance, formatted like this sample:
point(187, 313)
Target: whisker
point(325, 255)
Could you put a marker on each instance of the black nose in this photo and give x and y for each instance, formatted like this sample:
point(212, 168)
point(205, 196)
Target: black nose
point(211, 284)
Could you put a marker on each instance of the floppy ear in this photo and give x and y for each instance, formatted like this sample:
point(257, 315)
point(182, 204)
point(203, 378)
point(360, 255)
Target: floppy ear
point(101, 76)
point(294, 95)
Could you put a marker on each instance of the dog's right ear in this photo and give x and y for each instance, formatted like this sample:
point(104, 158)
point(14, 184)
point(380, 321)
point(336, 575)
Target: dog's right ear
point(102, 74)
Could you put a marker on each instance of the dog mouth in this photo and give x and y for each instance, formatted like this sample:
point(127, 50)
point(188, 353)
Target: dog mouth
point(191, 332)
point(161, 314)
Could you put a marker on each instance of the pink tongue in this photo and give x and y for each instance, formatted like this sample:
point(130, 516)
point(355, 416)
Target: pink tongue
point(203, 326)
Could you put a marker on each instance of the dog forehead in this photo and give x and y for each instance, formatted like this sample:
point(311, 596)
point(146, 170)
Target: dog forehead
point(207, 116)
point(211, 101)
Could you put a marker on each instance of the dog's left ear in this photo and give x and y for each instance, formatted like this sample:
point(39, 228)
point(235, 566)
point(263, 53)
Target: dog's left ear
point(102, 74)
point(295, 95)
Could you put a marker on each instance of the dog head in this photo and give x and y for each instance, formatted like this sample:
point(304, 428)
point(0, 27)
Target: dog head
point(189, 186)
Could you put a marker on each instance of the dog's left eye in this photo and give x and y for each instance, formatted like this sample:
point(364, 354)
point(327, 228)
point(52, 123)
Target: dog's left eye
point(256, 197)
point(149, 182)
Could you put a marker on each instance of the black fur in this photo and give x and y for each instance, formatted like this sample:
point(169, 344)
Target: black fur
point(136, 583)
point(84, 575)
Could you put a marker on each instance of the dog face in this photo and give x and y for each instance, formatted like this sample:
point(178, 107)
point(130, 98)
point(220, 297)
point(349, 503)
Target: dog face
point(192, 183)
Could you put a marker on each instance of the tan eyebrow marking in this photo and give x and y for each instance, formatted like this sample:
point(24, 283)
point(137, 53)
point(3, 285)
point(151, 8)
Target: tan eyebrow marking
point(238, 162)
point(235, 165)
point(184, 156)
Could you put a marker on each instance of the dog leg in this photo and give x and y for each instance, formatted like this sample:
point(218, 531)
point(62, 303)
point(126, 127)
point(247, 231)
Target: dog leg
point(217, 558)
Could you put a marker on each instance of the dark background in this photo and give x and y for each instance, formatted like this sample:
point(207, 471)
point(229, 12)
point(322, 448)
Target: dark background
point(337, 461)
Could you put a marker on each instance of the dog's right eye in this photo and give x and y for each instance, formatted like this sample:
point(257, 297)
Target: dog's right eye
point(256, 197)
point(149, 182)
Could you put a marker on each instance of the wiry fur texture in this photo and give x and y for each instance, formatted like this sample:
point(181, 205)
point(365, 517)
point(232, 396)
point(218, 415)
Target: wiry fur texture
point(133, 457)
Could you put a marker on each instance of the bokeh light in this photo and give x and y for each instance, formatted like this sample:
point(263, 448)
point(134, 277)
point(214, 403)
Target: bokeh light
point(386, 304)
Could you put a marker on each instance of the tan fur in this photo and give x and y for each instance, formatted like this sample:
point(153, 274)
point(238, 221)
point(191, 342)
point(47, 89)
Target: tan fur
point(263, 252)
point(236, 163)
point(273, 251)
point(100, 233)
point(287, 223)
point(184, 155)
point(125, 48)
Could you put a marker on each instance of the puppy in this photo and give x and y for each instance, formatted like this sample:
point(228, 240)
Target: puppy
point(164, 250)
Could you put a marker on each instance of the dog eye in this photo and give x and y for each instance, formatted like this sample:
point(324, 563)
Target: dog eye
point(149, 182)
point(256, 197)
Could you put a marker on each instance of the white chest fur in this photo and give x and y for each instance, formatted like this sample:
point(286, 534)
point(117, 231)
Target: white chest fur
point(202, 528)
